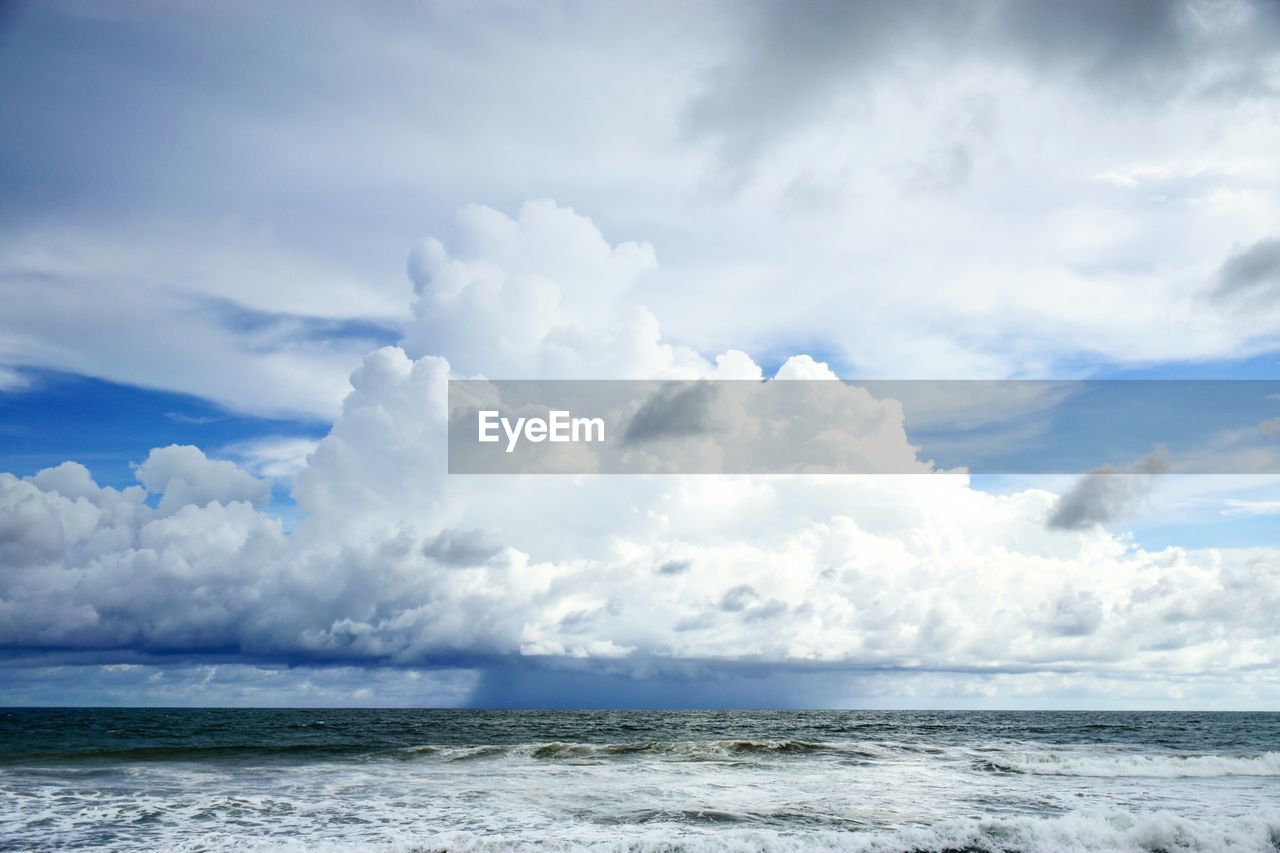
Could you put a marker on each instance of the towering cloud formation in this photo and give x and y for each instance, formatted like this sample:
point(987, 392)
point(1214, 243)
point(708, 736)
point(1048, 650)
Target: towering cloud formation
point(395, 563)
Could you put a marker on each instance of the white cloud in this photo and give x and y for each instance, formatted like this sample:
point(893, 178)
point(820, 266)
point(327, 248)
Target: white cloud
point(12, 380)
point(110, 329)
point(1247, 507)
point(933, 211)
point(184, 476)
point(272, 457)
point(804, 367)
point(396, 562)
point(542, 294)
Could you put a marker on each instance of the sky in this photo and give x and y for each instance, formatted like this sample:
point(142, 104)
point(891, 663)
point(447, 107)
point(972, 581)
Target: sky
point(244, 247)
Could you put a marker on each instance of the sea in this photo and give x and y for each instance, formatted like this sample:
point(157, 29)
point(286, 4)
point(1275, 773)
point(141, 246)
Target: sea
point(446, 780)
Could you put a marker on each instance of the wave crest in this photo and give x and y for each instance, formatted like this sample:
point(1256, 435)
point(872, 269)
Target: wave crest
point(686, 750)
point(1164, 765)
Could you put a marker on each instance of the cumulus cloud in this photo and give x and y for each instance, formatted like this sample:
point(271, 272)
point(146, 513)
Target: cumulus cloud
point(804, 367)
point(542, 292)
point(852, 573)
point(396, 563)
point(185, 476)
point(1107, 493)
point(1066, 178)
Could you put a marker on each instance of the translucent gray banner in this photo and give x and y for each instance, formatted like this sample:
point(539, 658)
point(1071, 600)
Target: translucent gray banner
point(864, 427)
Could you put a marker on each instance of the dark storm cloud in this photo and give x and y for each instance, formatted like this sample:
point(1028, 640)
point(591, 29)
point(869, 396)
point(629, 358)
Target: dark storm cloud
point(1251, 273)
point(1115, 39)
point(798, 60)
point(675, 410)
point(1106, 494)
point(656, 683)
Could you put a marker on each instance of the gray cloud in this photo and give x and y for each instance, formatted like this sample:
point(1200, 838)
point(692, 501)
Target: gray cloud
point(1107, 493)
point(652, 683)
point(1116, 40)
point(675, 567)
point(771, 609)
point(196, 187)
point(25, 535)
point(1251, 274)
point(797, 60)
point(794, 57)
point(1077, 615)
point(167, 683)
point(462, 547)
point(675, 410)
point(738, 598)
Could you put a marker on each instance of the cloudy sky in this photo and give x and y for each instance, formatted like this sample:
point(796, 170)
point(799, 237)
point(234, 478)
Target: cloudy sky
point(244, 246)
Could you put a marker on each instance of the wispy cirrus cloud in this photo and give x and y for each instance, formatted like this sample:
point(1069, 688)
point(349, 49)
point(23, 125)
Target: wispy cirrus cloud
point(1237, 506)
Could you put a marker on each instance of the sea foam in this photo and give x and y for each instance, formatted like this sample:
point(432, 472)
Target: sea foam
point(1159, 765)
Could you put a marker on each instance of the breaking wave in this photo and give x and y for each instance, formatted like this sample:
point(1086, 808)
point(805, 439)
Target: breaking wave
point(1159, 765)
point(662, 782)
point(1077, 832)
point(679, 750)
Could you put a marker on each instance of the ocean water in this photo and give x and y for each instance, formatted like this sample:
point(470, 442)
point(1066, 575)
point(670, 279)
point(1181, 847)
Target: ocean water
point(637, 780)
